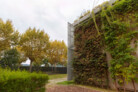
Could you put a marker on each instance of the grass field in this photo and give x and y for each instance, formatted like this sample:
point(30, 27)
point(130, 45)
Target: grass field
point(66, 82)
point(56, 76)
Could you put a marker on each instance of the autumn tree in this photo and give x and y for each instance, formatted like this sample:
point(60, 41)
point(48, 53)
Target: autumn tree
point(22, 56)
point(57, 52)
point(9, 37)
point(34, 43)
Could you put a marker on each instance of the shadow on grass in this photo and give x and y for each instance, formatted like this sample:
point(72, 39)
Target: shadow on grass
point(66, 83)
point(57, 76)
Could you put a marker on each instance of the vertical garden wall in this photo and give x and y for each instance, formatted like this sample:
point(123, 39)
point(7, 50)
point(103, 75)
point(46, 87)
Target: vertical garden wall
point(113, 30)
point(90, 65)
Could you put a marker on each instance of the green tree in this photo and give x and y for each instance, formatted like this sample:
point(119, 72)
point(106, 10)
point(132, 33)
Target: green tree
point(10, 58)
point(45, 61)
point(34, 43)
point(22, 57)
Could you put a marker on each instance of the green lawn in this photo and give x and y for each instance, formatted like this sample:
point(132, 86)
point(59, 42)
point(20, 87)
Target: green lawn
point(66, 83)
point(56, 76)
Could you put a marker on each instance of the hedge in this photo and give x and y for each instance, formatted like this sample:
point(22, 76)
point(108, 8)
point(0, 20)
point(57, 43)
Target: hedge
point(22, 81)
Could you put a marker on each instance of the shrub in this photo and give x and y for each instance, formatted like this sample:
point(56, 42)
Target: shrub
point(22, 81)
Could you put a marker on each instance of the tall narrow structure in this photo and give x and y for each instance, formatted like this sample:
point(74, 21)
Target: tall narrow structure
point(70, 51)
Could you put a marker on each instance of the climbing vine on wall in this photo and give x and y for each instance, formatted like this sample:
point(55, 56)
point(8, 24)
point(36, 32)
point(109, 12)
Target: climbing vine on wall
point(118, 35)
point(90, 65)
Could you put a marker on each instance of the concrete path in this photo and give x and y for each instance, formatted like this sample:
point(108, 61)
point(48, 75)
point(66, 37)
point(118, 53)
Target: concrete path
point(53, 87)
point(55, 81)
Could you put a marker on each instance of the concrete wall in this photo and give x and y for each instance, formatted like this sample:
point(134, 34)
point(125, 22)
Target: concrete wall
point(70, 51)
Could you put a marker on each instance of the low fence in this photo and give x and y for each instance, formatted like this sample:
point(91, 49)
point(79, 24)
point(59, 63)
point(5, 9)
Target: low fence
point(61, 70)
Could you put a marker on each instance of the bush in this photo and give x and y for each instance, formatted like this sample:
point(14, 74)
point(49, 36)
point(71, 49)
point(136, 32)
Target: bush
point(22, 81)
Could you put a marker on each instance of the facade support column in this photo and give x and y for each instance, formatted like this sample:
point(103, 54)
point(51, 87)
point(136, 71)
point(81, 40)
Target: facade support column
point(70, 51)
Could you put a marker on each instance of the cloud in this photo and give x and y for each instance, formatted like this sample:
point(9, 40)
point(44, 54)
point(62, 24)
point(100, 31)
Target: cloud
point(50, 15)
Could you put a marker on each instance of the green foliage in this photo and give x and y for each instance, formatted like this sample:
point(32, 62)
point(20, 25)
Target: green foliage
point(90, 66)
point(66, 83)
point(34, 43)
point(22, 57)
point(10, 58)
point(56, 76)
point(45, 61)
point(117, 39)
point(125, 6)
point(118, 35)
point(93, 16)
point(118, 28)
point(22, 81)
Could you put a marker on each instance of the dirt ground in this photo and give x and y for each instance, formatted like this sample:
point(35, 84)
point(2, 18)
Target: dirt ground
point(69, 88)
point(53, 87)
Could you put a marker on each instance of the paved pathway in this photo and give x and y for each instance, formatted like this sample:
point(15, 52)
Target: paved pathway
point(53, 87)
point(55, 81)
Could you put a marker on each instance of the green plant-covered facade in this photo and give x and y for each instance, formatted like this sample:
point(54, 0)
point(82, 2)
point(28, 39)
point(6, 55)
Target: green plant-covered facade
point(114, 30)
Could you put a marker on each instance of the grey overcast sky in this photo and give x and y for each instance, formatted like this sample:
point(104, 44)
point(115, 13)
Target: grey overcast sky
point(50, 15)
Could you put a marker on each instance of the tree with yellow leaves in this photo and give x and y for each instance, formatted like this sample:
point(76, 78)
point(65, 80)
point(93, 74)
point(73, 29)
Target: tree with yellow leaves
point(22, 56)
point(9, 37)
point(57, 52)
point(34, 43)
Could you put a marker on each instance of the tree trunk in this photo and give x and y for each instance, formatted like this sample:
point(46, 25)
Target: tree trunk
point(55, 68)
point(107, 79)
point(19, 66)
point(52, 68)
point(116, 86)
point(124, 85)
point(101, 81)
point(134, 85)
point(45, 68)
point(30, 66)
